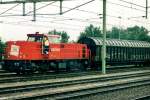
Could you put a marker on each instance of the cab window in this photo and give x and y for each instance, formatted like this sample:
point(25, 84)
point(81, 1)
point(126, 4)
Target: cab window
point(34, 39)
point(54, 39)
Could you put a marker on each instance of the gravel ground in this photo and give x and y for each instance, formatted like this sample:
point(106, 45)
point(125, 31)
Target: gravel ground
point(124, 94)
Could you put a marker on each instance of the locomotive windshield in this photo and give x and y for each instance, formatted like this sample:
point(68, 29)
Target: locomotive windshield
point(35, 39)
point(39, 38)
point(54, 38)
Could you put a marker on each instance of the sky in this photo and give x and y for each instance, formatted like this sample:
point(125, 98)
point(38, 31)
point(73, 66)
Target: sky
point(120, 13)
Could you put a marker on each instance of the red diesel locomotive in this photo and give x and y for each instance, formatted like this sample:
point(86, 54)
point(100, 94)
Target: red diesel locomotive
point(44, 53)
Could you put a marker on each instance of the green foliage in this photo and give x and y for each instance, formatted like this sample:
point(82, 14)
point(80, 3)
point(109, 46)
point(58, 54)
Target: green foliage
point(131, 33)
point(91, 31)
point(63, 34)
point(116, 33)
point(2, 46)
point(137, 33)
point(64, 37)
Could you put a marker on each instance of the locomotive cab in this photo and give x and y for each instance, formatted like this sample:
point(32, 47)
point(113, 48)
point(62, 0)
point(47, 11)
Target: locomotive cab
point(36, 37)
point(44, 39)
point(40, 38)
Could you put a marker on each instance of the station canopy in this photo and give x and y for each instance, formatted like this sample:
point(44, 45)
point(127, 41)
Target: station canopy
point(113, 42)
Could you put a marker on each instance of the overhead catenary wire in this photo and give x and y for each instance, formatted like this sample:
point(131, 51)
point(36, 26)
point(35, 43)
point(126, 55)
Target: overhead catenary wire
point(78, 6)
point(87, 20)
point(76, 19)
point(83, 20)
point(99, 13)
point(44, 26)
point(108, 2)
point(25, 1)
point(126, 6)
point(30, 25)
point(41, 7)
point(132, 3)
point(94, 12)
point(69, 27)
point(9, 9)
point(73, 19)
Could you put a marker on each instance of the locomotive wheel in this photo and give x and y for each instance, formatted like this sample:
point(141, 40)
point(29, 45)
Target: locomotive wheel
point(19, 70)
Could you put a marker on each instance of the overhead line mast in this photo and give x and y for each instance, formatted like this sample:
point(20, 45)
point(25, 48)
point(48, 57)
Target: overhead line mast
point(146, 16)
point(104, 39)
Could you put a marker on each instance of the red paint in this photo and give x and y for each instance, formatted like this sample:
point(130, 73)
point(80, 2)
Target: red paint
point(33, 51)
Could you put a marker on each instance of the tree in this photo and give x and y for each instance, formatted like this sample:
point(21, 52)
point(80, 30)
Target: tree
point(63, 34)
point(91, 31)
point(116, 33)
point(137, 33)
point(64, 37)
point(2, 45)
point(131, 33)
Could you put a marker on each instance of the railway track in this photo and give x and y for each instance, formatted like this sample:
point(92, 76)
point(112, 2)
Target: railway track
point(74, 87)
point(12, 77)
point(23, 78)
point(146, 97)
point(2, 71)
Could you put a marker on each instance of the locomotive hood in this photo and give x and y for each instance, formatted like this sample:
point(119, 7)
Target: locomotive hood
point(20, 49)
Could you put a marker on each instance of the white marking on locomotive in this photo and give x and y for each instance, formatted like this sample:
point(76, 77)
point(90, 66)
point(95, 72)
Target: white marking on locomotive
point(14, 50)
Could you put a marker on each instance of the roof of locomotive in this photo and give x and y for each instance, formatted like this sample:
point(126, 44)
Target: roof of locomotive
point(114, 42)
point(37, 34)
